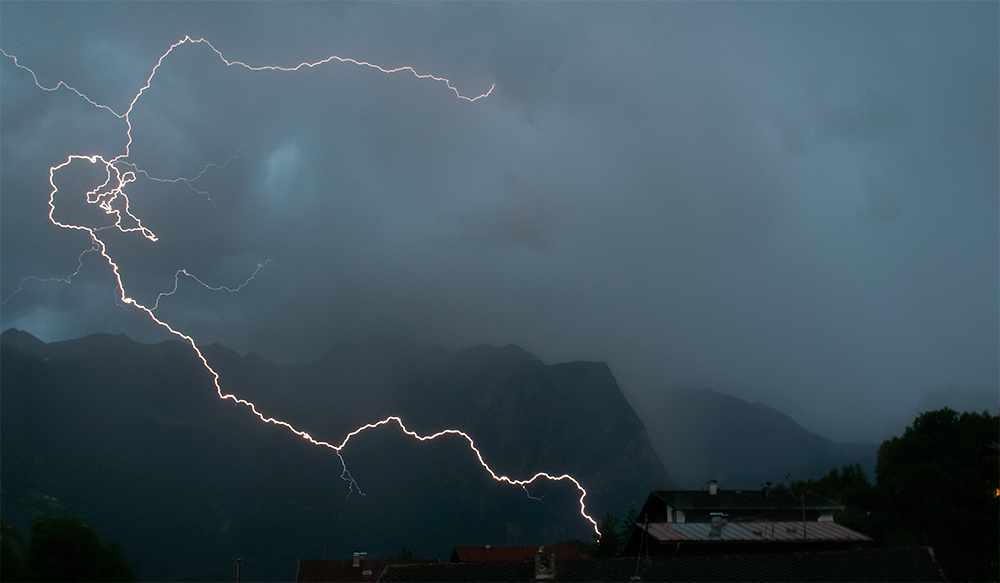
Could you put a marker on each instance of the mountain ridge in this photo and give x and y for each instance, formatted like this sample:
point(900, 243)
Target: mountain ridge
point(100, 404)
point(742, 444)
point(133, 437)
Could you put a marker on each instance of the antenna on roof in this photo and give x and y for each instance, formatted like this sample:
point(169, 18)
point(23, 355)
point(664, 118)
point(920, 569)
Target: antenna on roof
point(803, 499)
point(239, 562)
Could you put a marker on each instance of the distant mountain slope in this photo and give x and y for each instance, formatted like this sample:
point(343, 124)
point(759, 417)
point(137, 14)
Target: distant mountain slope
point(524, 415)
point(703, 435)
point(135, 439)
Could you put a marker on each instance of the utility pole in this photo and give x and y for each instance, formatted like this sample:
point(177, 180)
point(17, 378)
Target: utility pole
point(803, 515)
point(239, 562)
point(645, 528)
point(803, 499)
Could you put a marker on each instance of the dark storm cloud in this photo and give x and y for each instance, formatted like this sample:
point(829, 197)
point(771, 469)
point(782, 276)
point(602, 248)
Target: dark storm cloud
point(788, 202)
point(525, 218)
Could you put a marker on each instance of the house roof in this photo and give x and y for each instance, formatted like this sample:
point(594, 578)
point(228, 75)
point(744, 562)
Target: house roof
point(491, 554)
point(867, 565)
point(344, 570)
point(752, 532)
point(688, 500)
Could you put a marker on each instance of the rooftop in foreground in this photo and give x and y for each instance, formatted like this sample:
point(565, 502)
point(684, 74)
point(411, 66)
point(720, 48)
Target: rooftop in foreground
point(751, 532)
point(915, 564)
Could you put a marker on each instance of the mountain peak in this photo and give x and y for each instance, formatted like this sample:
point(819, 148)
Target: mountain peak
point(740, 443)
point(525, 417)
point(20, 339)
point(515, 351)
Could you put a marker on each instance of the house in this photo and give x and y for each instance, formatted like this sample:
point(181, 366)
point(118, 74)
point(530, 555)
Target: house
point(738, 506)
point(714, 522)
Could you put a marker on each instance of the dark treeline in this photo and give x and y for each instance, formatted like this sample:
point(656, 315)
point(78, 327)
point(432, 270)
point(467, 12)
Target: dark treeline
point(936, 485)
point(60, 548)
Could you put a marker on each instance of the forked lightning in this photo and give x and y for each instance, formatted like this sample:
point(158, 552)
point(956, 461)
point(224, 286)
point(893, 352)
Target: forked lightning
point(111, 197)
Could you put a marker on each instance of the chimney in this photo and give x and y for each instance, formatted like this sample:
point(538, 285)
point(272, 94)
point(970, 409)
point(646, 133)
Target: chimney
point(718, 521)
point(358, 557)
point(713, 487)
point(545, 564)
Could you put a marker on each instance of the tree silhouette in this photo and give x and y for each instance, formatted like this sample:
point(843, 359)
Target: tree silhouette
point(12, 564)
point(937, 484)
point(608, 543)
point(851, 488)
point(62, 548)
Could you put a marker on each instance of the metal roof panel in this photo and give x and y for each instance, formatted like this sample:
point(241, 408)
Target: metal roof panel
point(752, 532)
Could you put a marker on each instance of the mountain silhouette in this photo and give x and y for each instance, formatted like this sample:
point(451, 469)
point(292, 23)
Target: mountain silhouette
point(134, 439)
point(704, 435)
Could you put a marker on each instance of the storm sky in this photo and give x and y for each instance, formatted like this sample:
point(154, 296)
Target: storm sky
point(795, 203)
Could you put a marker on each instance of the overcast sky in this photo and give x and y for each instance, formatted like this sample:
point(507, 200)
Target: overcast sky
point(795, 203)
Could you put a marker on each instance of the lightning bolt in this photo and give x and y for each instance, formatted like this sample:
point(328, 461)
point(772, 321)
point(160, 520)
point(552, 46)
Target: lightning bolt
point(110, 196)
point(189, 181)
point(180, 272)
point(67, 279)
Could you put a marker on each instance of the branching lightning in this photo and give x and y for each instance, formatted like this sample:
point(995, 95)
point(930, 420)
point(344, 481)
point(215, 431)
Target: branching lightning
point(184, 272)
point(189, 181)
point(67, 279)
point(110, 196)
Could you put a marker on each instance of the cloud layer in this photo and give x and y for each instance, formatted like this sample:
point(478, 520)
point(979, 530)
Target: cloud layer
point(795, 203)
